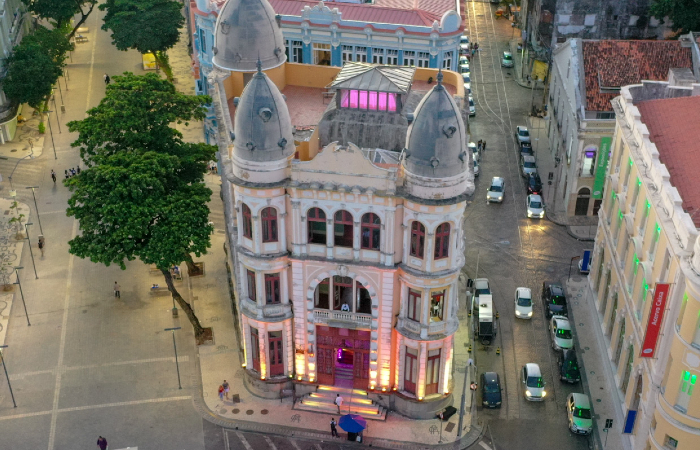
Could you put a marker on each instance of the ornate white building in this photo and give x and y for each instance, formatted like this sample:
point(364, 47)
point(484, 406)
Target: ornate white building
point(346, 264)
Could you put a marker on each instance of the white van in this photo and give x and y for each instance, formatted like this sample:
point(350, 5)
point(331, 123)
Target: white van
point(533, 383)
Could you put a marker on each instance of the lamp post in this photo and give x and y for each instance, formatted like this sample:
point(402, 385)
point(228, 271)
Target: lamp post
point(53, 144)
point(56, 109)
point(2, 357)
point(22, 293)
point(177, 366)
point(36, 206)
point(31, 252)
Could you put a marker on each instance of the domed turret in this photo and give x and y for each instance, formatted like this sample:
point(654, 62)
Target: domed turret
point(246, 31)
point(436, 160)
point(263, 129)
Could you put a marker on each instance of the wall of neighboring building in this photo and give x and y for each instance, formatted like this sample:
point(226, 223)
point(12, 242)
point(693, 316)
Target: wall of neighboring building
point(15, 22)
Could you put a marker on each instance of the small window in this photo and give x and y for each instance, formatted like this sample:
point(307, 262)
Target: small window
point(272, 288)
point(250, 275)
point(442, 241)
point(269, 225)
point(413, 312)
point(437, 305)
point(343, 229)
point(322, 293)
point(316, 224)
point(371, 227)
point(342, 293)
point(417, 239)
point(247, 222)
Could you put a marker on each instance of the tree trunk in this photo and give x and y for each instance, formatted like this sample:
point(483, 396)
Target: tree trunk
point(83, 18)
point(190, 264)
point(198, 330)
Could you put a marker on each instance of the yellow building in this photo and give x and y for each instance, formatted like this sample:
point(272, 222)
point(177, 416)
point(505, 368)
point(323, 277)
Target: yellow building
point(647, 237)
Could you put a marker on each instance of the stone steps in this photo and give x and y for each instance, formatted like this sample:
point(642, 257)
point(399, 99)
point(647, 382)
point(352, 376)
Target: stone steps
point(355, 401)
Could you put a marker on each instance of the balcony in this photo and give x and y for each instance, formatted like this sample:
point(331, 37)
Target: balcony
point(342, 319)
point(275, 311)
point(412, 327)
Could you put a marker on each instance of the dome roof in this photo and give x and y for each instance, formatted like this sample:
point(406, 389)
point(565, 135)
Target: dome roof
point(436, 144)
point(263, 128)
point(246, 31)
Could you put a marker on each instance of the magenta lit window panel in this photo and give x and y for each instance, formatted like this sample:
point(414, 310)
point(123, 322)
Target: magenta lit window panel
point(392, 103)
point(373, 101)
point(363, 99)
point(382, 101)
point(354, 99)
point(344, 98)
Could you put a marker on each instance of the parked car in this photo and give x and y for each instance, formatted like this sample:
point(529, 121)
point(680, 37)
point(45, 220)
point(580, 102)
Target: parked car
point(522, 134)
point(475, 151)
point(496, 190)
point(507, 59)
point(523, 303)
point(467, 82)
point(476, 168)
point(463, 65)
point(534, 184)
point(568, 366)
point(531, 377)
point(527, 165)
point(490, 390)
point(526, 148)
point(560, 332)
point(481, 286)
point(472, 107)
point(535, 207)
point(578, 413)
point(464, 44)
point(553, 300)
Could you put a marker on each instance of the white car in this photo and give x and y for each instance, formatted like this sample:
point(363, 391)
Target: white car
point(531, 377)
point(496, 190)
point(476, 168)
point(467, 82)
point(523, 303)
point(535, 207)
point(464, 44)
point(472, 107)
point(560, 330)
point(475, 151)
point(507, 59)
point(464, 68)
point(522, 134)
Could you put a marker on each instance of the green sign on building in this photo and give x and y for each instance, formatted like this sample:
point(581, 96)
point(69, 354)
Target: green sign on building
point(602, 167)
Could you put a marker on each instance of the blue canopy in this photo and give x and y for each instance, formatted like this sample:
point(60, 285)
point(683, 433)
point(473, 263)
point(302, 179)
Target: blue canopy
point(352, 423)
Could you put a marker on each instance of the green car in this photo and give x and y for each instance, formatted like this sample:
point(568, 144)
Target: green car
point(579, 414)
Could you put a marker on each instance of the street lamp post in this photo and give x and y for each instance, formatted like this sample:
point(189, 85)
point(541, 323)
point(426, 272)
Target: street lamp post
point(36, 206)
point(22, 294)
point(56, 109)
point(53, 144)
point(2, 358)
point(31, 252)
point(177, 366)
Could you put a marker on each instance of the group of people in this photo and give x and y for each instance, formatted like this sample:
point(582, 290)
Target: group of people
point(73, 171)
point(481, 145)
point(223, 390)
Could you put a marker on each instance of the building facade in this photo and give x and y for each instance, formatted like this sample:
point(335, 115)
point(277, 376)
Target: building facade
point(647, 237)
point(14, 24)
point(586, 75)
point(346, 262)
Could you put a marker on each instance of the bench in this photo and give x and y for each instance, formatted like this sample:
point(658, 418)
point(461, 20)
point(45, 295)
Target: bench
point(160, 290)
point(80, 38)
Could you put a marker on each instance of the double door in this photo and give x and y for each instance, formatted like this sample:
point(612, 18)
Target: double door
point(331, 342)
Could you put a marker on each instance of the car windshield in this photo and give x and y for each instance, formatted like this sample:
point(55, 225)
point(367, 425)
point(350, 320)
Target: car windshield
point(524, 133)
point(466, 78)
point(529, 164)
point(535, 204)
point(471, 103)
point(507, 57)
point(571, 365)
point(492, 388)
point(564, 334)
point(496, 188)
point(463, 40)
point(524, 301)
point(558, 300)
point(535, 382)
point(483, 291)
point(582, 413)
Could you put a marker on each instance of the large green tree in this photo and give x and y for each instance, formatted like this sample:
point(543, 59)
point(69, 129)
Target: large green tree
point(684, 14)
point(144, 25)
point(60, 12)
point(142, 195)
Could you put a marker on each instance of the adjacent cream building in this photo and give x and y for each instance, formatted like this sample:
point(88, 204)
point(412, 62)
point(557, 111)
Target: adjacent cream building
point(648, 234)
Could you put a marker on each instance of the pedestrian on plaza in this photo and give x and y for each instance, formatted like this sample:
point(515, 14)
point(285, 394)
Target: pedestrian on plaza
point(117, 288)
point(226, 388)
point(77, 170)
point(478, 144)
point(338, 401)
point(334, 430)
point(483, 146)
point(53, 176)
point(72, 171)
point(107, 79)
point(221, 392)
point(41, 246)
point(67, 176)
point(102, 443)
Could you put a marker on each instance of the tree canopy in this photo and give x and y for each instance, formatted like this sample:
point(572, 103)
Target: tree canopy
point(142, 194)
point(60, 12)
point(31, 73)
point(684, 14)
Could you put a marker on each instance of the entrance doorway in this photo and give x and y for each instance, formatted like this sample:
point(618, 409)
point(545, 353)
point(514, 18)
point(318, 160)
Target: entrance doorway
point(343, 357)
point(584, 196)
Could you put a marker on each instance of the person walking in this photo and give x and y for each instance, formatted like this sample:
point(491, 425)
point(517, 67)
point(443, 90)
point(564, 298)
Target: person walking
point(478, 144)
point(53, 176)
point(77, 170)
point(483, 146)
point(107, 79)
point(221, 392)
point(102, 443)
point(226, 388)
point(334, 430)
point(41, 246)
point(117, 288)
point(67, 176)
point(338, 401)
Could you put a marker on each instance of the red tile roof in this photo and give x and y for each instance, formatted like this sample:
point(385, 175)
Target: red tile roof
point(400, 12)
point(673, 127)
point(613, 64)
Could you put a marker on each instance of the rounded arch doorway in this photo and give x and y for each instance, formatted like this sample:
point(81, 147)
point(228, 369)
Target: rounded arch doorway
point(582, 200)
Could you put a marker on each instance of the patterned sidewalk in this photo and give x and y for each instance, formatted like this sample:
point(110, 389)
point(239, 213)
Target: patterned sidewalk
point(10, 257)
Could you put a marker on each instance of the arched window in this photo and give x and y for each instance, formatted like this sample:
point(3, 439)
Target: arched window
point(247, 222)
point(442, 241)
point(322, 294)
point(269, 225)
point(371, 227)
point(417, 239)
point(343, 229)
point(364, 301)
point(316, 225)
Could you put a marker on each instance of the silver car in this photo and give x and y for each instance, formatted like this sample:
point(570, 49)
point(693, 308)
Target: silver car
point(472, 107)
point(464, 44)
point(507, 59)
point(535, 207)
point(475, 151)
point(496, 191)
point(528, 165)
point(522, 134)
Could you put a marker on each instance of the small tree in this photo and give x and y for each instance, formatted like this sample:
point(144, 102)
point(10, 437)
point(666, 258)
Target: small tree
point(685, 14)
point(31, 74)
point(61, 12)
point(144, 25)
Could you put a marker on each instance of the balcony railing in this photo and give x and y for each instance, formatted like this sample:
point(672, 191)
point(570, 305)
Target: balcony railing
point(328, 317)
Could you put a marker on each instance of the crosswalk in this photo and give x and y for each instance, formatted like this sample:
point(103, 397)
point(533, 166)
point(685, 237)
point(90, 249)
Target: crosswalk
point(234, 440)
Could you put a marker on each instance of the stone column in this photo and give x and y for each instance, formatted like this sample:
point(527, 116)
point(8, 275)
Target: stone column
point(284, 289)
point(356, 241)
point(257, 238)
point(329, 238)
point(388, 237)
point(425, 312)
point(298, 229)
point(282, 232)
point(429, 251)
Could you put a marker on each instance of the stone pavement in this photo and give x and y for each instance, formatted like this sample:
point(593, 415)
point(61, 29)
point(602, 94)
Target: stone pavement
point(597, 371)
point(10, 257)
point(28, 140)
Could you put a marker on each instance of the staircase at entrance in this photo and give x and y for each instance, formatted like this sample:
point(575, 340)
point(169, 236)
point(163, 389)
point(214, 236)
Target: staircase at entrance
point(355, 401)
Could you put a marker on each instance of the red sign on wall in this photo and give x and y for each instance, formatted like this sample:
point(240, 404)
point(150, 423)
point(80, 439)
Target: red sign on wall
point(656, 317)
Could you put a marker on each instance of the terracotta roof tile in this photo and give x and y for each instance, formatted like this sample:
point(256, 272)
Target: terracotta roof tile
point(613, 64)
point(673, 127)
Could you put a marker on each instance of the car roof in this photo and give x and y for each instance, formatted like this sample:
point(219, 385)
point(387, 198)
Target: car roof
point(535, 198)
point(568, 354)
point(522, 127)
point(556, 289)
point(535, 176)
point(490, 377)
point(581, 400)
point(562, 322)
point(533, 369)
point(523, 291)
point(497, 180)
point(529, 158)
point(507, 53)
point(471, 145)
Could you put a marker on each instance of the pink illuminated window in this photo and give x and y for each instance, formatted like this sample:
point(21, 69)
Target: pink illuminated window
point(382, 101)
point(373, 101)
point(344, 98)
point(363, 99)
point(392, 103)
point(354, 99)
